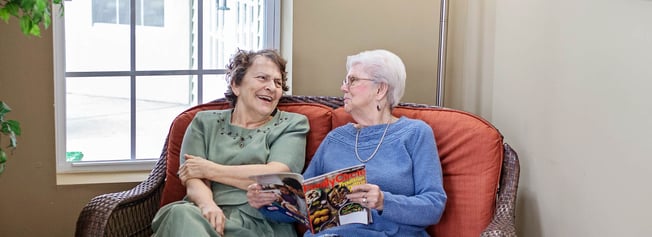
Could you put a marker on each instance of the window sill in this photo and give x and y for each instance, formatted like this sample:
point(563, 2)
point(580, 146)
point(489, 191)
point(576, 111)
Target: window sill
point(102, 177)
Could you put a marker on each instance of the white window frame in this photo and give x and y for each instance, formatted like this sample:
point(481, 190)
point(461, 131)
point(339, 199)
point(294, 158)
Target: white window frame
point(271, 40)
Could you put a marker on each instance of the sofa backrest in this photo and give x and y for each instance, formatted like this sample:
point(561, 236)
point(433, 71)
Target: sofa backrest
point(471, 154)
point(319, 118)
point(470, 150)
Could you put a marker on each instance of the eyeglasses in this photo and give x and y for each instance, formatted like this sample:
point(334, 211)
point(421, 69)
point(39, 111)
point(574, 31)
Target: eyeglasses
point(350, 81)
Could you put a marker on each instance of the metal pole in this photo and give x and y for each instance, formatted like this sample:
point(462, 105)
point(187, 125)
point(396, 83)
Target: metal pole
point(441, 65)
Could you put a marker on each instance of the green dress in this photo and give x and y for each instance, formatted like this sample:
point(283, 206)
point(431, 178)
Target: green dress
point(211, 135)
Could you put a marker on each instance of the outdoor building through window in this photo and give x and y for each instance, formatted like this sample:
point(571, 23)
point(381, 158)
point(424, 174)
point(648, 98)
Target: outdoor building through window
point(125, 68)
point(148, 12)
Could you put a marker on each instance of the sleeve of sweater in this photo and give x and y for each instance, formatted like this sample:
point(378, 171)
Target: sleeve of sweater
point(427, 205)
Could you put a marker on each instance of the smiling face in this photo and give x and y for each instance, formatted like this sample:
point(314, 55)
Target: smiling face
point(360, 94)
point(260, 89)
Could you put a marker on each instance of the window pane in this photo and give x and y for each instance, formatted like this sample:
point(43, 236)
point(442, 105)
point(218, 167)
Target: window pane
point(124, 14)
point(169, 47)
point(229, 25)
point(98, 115)
point(104, 11)
point(94, 47)
point(159, 100)
point(153, 13)
point(214, 87)
point(115, 112)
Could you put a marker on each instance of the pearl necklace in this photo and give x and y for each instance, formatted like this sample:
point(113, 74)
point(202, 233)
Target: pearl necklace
point(376, 150)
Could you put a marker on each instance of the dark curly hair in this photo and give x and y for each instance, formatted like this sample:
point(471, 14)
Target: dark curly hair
point(240, 63)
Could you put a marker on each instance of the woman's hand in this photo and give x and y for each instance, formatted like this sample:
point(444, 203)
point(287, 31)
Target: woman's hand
point(195, 167)
point(258, 199)
point(369, 195)
point(215, 216)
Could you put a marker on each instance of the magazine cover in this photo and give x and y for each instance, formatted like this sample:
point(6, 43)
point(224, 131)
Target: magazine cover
point(327, 202)
point(319, 202)
point(290, 205)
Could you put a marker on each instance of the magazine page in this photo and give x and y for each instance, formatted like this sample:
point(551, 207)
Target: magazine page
point(290, 205)
point(327, 202)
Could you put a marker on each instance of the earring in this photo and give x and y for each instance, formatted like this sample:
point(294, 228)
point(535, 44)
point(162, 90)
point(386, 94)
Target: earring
point(378, 107)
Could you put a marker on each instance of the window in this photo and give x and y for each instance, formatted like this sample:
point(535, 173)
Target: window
point(148, 12)
point(125, 68)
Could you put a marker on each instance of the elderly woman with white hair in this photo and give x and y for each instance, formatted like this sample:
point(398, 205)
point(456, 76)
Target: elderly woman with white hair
point(400, 154)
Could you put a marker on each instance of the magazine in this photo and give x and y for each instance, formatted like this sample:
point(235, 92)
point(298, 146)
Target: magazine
point(290, 203)
point(321, 202)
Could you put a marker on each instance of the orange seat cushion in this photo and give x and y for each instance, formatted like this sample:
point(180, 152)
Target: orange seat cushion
point(319, 117)
point(471, 151)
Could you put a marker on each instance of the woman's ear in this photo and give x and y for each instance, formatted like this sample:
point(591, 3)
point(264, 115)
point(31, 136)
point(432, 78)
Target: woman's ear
point(382, 90)
point(235, 88)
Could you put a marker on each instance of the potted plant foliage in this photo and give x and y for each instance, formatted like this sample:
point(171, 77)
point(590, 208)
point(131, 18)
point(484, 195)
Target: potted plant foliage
point(31, 13)
point(9, 129)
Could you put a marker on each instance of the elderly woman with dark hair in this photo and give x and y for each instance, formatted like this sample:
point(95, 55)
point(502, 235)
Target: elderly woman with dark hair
point(222, 148)
point(400, 154)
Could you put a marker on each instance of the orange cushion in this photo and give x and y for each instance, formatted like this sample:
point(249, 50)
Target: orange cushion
point(470, 150)
point(173, 189)
point(319, 117)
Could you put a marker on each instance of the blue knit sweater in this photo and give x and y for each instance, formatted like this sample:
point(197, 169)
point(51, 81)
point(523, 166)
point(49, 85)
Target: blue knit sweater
point(406, 168)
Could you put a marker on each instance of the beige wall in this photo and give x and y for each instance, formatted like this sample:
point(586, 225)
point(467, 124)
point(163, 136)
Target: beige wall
point(31, 204)
point(325, 32)
point(567, 83)
point(571, 91)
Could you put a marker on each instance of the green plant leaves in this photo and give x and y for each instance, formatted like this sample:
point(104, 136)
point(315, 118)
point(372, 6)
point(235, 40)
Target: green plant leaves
point(9, 128)
point(31, 14)
point(4, 109)
point(3, 159)
point(9, 9)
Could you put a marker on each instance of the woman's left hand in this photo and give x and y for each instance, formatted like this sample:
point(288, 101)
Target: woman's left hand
point(369, 195)
point(195, 168)
point(257, 198)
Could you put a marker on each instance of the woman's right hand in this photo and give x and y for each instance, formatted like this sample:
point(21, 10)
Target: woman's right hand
point(257, 198)
point(195, 167)
point(215, 216)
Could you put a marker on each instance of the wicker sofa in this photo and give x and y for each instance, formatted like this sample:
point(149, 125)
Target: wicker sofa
point(481, 172)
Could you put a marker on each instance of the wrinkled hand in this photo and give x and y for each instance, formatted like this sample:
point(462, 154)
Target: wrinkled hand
point(258, 199)
point(195, 167)
point(369, 195)
point(215, 217)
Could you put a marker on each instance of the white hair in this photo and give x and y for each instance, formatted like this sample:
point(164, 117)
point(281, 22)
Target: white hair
point(383, 66)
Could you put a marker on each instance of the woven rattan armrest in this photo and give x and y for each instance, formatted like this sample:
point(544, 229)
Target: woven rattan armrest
point(127, 213)
point(503, 222)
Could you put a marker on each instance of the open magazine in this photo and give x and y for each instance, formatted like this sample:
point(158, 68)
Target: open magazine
point(319, 202)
